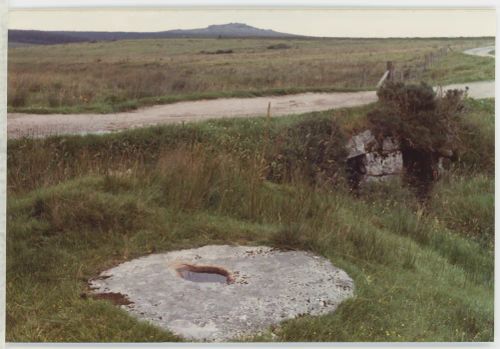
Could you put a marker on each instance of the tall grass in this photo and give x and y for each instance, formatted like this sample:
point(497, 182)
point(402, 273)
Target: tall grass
point(466, 205)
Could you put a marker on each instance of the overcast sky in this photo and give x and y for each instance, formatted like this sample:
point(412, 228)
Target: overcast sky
point(315, 22)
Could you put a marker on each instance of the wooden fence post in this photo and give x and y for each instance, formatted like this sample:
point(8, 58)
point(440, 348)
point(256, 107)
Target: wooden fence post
point(390, 69)
point(363, 77)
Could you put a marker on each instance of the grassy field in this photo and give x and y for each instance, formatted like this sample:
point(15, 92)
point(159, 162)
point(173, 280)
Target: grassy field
point(77, 205)
point(114, 76)
point(458, 67)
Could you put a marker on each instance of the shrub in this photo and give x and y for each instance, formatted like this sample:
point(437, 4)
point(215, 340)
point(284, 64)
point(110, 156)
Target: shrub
point(418, 118)
point(217, 52)
point(313, 148)
point(279, 47)
point(426, 125)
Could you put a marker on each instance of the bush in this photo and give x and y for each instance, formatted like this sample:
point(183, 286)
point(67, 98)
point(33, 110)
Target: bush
point(217, 52)
point(415, 116)
point(313, 149)
point(426, 126)
point(279, 47)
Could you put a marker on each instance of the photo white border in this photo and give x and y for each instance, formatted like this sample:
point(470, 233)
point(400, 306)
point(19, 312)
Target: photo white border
point(3, 162)
point(52, 4)
point(249, 3)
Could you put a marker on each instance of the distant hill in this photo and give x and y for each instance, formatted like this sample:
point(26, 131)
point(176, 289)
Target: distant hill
point(230, 30)
point(37, 37)
point(227, 30)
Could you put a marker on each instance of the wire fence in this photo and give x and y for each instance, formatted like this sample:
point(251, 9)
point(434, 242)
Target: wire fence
point(415, 71)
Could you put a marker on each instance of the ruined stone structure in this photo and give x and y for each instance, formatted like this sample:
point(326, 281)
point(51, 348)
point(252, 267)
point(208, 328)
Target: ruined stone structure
point(369, 160)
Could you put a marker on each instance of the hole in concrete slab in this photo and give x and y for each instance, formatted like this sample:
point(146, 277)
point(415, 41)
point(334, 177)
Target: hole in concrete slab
point(204, 273)
point(267, 286)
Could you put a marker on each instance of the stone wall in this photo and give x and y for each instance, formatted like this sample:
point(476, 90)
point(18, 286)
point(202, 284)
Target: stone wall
point(370, 160)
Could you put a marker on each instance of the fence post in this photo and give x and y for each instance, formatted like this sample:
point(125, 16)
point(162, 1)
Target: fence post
point(390, 69)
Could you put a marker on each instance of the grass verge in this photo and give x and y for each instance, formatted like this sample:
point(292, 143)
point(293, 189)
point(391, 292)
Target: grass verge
point(132, 104)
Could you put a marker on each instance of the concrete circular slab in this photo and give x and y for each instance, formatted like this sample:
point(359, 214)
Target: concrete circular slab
point(267, 286)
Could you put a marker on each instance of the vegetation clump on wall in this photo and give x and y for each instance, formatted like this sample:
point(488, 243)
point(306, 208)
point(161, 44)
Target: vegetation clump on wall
point(313, 149)
point(426, 125)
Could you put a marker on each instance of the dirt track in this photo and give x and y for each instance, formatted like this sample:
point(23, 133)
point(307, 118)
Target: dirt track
point(41, 125)
point(481, 51)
